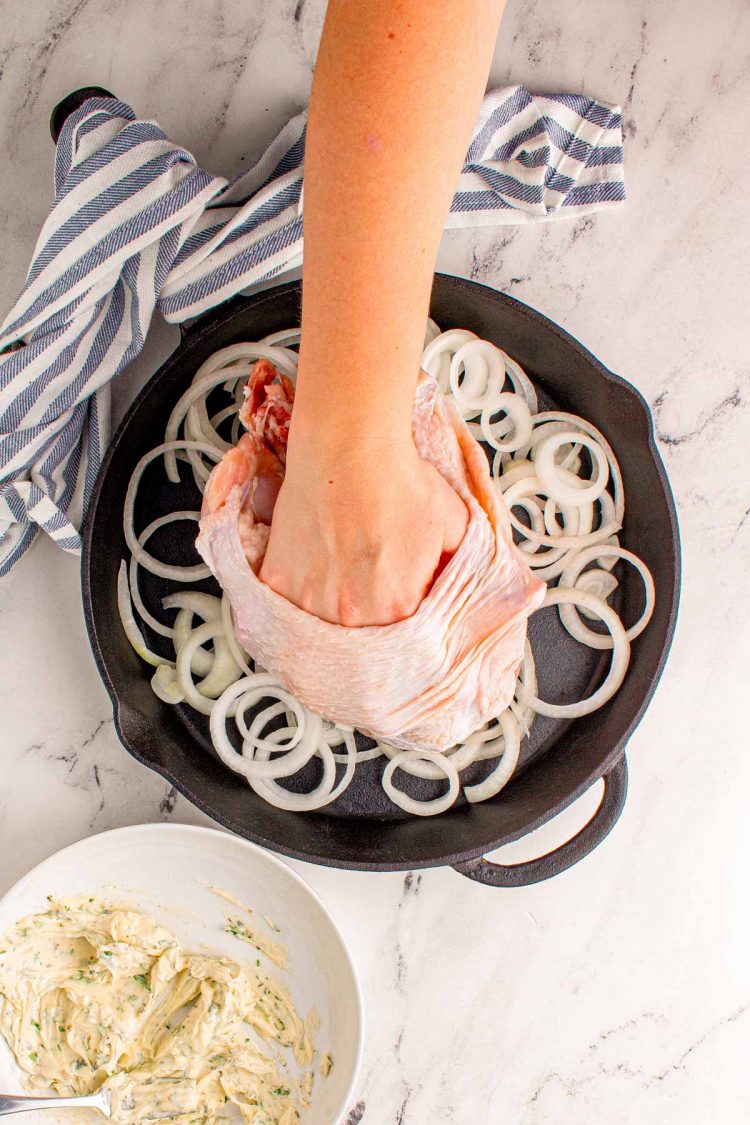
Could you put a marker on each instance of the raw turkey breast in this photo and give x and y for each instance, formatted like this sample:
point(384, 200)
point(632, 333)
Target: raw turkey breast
point(425, 682)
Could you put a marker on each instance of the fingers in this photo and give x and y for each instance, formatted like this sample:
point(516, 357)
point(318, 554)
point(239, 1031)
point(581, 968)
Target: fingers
point(452, 513)
point(371, 571)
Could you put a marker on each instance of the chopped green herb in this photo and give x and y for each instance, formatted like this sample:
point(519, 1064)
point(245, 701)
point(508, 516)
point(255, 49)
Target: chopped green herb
point(61, 1029)
point(36, 1025)
point(106, 953)
point(143, 981)
point(33, 1056)
point(282, 1092)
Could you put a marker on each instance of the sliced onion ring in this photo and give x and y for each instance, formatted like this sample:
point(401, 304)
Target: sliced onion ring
point(484, 375)
point(161, 569)
point(324, 793)
point(135, 593)
point(165, 686)
point(190, 602)
point(570, 577)
point(601, 583)
point(408, 804)
point(577, 491)
point(531, 486)
point(223, 674)
point(517, 420)
point(251, 762)
point(459, 756)
point(560, 595)
point(585, 427)
point(503, 771)
point(129, 623)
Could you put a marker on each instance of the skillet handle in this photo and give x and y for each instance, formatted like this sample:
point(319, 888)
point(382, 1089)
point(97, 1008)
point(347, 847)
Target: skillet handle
point(546, 866)
point(71, 103)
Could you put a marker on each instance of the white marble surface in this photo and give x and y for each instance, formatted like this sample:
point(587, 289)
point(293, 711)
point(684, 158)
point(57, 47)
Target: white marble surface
point(620, 992)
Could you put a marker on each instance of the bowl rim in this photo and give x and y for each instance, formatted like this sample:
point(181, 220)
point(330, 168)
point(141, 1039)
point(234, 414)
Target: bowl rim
point(268, 857)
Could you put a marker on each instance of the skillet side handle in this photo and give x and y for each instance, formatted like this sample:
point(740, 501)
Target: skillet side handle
point(546, 866)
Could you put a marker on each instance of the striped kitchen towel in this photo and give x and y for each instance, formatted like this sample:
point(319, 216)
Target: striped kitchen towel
point(136, 225)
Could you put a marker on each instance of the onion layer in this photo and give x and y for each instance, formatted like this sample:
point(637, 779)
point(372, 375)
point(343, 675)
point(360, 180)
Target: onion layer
point(560, 595)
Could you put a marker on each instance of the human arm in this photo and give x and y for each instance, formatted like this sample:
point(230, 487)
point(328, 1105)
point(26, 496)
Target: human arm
point(362, 523)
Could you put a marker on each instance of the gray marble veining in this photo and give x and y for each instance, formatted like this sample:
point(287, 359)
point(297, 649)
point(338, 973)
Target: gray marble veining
point(618, 993)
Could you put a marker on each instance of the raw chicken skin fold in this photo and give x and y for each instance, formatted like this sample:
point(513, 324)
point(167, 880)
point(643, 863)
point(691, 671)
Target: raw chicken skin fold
point(425, 682)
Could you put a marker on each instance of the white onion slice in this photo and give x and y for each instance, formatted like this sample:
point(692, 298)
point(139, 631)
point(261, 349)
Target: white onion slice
point(223, 674)
point(347, 738)
point(252, 762)
point(551, 474)
point(165, 686)
point(298, 750)
point(431, 331)
point(531, 486)
point(488, 742)
point(135, 593)
point(527, 676)
point(555, 561)
point(601, 583)
point(570, 577)
point(286, 704)
point(408, 804)
point(222, 415)
point(561, 595)
point(324, 793)
point(518, 420)
point(285, 338)
point(129, 624)
point(459, 756)
point(190, 602)
point(484, 374)
point(512, 471)
point(502, 772)
point(144, 559)
point(585, 427)
point(520, 381)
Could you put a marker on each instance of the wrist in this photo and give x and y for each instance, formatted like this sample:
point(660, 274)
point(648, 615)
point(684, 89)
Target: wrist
point(349, 467)
point(346, 442)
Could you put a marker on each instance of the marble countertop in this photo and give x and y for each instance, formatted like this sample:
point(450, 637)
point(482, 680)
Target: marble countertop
point(620, 991)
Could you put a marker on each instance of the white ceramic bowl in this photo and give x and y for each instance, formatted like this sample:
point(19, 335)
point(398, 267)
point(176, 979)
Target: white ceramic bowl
point(162, 870)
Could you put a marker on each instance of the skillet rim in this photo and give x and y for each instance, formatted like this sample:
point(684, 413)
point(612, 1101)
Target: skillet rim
point(124, 715)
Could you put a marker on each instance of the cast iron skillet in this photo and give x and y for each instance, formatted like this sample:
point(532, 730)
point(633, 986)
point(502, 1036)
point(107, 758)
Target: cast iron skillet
point(562, 759)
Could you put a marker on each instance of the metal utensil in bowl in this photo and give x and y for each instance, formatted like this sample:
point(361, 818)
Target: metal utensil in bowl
point(15, 1103)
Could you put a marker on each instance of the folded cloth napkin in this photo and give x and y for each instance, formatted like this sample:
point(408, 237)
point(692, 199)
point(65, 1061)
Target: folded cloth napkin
point(136, 225)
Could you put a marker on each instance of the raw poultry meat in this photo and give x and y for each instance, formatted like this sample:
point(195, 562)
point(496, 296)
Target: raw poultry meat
point(425, 682)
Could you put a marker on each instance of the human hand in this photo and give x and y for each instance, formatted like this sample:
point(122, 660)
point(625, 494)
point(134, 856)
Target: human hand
point(357, 538)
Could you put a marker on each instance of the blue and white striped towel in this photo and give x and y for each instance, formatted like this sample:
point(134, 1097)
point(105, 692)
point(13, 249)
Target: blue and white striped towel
point(135, 225)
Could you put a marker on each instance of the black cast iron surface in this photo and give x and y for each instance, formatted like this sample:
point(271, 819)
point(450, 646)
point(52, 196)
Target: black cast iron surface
point(560, 760)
